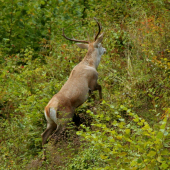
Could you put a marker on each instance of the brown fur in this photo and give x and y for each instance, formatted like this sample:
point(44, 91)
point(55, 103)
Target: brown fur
point(82, 80)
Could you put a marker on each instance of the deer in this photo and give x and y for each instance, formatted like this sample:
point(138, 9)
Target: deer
point(80, 84)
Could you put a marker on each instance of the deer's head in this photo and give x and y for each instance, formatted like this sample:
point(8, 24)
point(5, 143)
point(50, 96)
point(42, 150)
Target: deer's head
point(95, 49)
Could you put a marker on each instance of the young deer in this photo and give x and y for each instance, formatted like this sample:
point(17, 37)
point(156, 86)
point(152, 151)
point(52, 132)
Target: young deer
point(81, 82)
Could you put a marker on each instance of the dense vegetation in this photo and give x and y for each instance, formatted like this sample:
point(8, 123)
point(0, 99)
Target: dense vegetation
point(130, 128)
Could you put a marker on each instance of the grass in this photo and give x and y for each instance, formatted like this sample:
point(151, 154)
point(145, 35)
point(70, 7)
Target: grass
point(134, 73)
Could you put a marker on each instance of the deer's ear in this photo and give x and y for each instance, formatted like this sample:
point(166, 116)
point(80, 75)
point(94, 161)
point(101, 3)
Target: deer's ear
point(83, 46)
point(99, 40)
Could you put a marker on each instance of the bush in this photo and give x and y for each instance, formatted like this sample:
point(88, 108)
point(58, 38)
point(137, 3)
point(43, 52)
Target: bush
point(130, 128)
point(122, 143)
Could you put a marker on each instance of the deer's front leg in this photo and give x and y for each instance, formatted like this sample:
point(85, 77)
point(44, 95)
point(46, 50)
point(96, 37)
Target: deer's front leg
point(92, 95)
point(96, 87)
point(99, 88)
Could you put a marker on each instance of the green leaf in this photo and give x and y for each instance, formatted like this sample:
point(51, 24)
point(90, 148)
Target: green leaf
point(122, 154)
point(164, 165)
point(136, 119)
point(151, 153)
point(165, 152)
point(103, 157)
point(133, 163)
point(159, 135)
point(127, 131)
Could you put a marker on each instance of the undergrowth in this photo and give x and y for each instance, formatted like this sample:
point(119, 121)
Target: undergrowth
point(129, 129)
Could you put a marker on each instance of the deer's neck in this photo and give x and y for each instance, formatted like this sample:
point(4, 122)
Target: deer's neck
point(92, 58)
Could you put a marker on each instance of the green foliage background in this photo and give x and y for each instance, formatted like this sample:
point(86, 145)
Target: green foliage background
point(130, 128)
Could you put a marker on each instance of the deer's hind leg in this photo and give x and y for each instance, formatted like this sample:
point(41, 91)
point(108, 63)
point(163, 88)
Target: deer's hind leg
point(45, 135)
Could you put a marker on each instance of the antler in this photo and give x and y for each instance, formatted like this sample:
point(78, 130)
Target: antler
point(100, 27)
point(83, 41)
